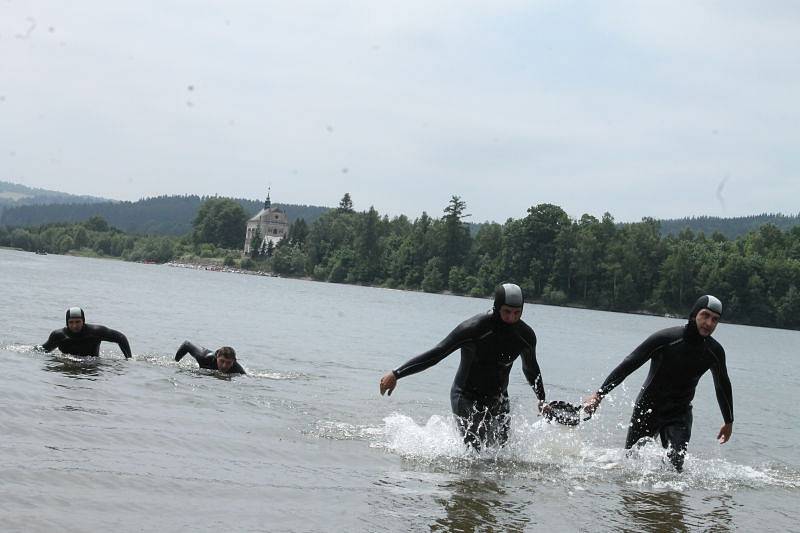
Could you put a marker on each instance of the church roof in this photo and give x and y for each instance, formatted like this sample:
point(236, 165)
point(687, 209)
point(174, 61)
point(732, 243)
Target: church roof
point(263, 213)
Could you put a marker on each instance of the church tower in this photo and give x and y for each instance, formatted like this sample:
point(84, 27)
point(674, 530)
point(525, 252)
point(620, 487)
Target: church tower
point(271, 224)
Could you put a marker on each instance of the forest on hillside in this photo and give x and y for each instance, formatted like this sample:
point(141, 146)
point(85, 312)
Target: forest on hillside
point(729, 227)
point(161, 215)
point(14, 195)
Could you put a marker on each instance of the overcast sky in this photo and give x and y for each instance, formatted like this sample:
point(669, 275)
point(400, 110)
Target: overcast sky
point(664, 109)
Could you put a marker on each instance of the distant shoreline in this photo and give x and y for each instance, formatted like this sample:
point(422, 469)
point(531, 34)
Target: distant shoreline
point(214, 265)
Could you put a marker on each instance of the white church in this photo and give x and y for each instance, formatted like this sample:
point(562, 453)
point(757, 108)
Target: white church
point(271, 223)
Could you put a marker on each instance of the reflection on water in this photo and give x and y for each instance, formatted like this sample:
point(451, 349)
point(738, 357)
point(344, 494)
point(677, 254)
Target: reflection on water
point(673, 511)
point(653, 511)
point(478, 505)
point(720, 512)
point(86, 368)
point(89, 368)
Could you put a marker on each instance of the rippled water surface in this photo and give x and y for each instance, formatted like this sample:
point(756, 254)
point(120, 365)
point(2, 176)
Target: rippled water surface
point(305, 443)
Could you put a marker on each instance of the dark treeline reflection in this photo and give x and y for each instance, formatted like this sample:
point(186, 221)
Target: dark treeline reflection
point(588, 262)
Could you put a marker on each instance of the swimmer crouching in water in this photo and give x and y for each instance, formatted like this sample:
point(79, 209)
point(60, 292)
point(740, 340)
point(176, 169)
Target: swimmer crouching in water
point(83, 340)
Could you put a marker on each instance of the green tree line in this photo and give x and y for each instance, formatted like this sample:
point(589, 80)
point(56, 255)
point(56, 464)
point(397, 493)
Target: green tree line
point(589, 262)
point(219, 228)
point(729, 227)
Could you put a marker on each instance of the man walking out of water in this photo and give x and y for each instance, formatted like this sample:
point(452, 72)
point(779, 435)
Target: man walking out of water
point(82, 339)
point(223, 359)
point(489, 342)
point(678, 357)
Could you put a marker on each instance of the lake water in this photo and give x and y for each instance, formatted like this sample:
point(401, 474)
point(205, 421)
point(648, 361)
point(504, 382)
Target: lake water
point(306, 443)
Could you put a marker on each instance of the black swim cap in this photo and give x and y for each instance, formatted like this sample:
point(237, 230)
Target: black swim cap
point(75, 312)
point(709, 302)
point(507, 294)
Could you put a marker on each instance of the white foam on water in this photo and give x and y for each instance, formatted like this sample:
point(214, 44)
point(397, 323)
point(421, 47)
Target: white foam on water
point(543, 449)
point(439, 437)
point(276, 375)
point(20, 348)
point(329, 429)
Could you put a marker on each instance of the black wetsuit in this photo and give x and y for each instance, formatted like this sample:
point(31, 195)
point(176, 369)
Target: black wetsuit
point(86, 343)
point(678, 357)
point(479, 395)
point(205, 358)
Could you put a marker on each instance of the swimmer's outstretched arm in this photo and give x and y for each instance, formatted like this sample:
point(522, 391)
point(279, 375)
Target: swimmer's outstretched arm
point(455, 340)
point(52, 341)
point(112, 335)
point(631, 363)
point(198, 352)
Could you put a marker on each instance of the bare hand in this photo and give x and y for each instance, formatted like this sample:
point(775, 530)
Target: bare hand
point(388, 383)
point(724, 434)
point(591, 403)
point(544, 408)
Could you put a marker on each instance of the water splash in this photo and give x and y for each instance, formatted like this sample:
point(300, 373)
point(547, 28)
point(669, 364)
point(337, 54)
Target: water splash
point(21, 348)
point(551, 452)
point(329, 429)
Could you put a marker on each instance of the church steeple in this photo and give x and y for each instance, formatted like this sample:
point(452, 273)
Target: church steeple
point(267, 202)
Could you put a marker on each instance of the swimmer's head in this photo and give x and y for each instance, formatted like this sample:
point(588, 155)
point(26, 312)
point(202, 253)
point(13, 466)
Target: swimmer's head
point(75, 319)
point(709, 302)
point(226, 358)
point(508, 302)
point(705, 314)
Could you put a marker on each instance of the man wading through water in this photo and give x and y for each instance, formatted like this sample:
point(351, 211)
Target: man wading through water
point(489, 342)
point(678, 357)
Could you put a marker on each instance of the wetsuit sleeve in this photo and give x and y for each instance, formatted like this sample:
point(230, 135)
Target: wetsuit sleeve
point(205, 358)
point(237, 369)
point(112, 335)
point(530, 367)
point(722, 384)
point(630, 364)
point(455, 340)
point(52, 341)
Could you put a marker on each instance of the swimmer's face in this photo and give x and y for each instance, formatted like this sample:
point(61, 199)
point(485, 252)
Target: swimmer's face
point(706, 321)
point(75, 325)
point(510, 315)
point(224, 364)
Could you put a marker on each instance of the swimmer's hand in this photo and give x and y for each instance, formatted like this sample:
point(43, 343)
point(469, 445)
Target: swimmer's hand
point(388, 383)
point(724, 434)
point(544, 408)
point(591, 403)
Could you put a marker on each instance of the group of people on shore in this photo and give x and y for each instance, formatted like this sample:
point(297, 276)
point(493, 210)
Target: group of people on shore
point(83, 340)
point(490, 343)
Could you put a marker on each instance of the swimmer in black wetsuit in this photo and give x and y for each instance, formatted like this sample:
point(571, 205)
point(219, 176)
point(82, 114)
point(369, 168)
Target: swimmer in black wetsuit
point(489, 342)
point(82, 339)
point(678, 357)
point(223, 359)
